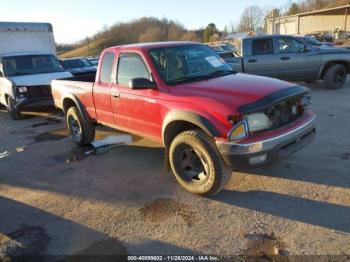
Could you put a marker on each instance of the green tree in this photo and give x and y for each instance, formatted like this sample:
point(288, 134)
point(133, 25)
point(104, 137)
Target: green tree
point(209, 31)
point(275, 13)
point(190, 36)
point(293, 9)
point(152, 34)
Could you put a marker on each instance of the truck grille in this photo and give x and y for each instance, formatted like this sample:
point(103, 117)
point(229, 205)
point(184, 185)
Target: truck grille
point(39, 91)
point(285, 112)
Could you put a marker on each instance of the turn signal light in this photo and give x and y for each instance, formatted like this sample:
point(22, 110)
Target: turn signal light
point(238, 132)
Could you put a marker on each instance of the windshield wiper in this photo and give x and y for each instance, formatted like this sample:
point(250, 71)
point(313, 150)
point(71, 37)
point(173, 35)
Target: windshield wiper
point(49, 71)
point(21, 73)
point(187, 78)
point(218, 73)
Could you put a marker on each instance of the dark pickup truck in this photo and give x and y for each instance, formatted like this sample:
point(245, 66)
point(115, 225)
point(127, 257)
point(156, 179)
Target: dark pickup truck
point(182, 94)
point(292, 59)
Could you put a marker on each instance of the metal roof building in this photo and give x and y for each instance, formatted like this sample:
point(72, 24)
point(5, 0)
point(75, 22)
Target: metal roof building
point(331, 20)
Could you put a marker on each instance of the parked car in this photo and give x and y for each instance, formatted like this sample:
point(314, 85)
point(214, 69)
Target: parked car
point(27, 66)
point(182, 95)
point(322, 36)
point(290, 58)
point(342, 39)
point(78, 66)
point(315, 43)
point(228, 47)
point(93, 61)
point(225, 53)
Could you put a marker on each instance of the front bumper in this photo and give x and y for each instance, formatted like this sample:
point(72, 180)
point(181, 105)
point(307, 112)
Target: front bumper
point(25, 103)
point(266, 151)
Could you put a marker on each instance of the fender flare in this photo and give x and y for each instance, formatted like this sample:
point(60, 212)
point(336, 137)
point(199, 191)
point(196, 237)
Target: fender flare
point(190, 117)
point(79, 105)
point(330, 62)
point(321, 70)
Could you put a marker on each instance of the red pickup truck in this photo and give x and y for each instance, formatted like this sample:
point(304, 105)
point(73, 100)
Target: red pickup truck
point(186, 97)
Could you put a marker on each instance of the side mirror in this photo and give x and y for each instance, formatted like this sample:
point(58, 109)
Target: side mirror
point(141, 83)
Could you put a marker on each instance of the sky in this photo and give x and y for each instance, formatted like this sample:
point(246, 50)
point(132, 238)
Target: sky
point(73, 20)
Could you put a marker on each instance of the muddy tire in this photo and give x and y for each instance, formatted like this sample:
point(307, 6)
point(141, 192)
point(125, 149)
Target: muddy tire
point(82, 132)
point(335, 77)
point(197, 163)
point(14, 113)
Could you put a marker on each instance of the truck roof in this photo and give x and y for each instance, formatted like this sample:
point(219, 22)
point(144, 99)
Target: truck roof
point(148, 46)
point(266, 36)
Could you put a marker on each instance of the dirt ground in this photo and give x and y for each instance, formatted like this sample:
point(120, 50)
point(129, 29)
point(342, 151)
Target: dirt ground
point(58, 199)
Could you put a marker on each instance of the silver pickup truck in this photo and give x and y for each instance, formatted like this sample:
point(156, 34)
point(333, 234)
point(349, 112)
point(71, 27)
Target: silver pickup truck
point(290, 58)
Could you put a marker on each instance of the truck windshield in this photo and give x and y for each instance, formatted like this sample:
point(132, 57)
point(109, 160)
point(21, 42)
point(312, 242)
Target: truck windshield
point(30, 65)
point(188, 63)
point(76, 63)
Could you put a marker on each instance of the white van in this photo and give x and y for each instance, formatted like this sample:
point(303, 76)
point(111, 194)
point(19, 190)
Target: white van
point(28, 64)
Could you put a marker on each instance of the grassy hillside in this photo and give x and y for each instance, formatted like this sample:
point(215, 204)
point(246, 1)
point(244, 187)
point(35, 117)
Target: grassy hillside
point(146, 29)
point(92, 49)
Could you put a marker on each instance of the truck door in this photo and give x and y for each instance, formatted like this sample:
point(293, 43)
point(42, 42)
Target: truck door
point(137, 111)
point(260, 57)
point(102, 89)
point(296, 62)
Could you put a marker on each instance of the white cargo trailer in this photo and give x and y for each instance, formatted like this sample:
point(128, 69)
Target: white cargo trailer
point(28, 64)
point(26, 37)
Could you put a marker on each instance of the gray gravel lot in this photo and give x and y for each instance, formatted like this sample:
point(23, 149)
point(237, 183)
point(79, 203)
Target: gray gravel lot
point(55, 199)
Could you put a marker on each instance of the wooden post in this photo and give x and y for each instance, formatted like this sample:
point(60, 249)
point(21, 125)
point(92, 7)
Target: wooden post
point(346, 19)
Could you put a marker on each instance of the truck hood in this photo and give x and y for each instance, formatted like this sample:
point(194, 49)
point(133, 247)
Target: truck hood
point(333, 50)
point(239, 90)
point(38, 79)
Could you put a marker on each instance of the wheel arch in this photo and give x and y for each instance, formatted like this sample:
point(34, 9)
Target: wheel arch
point(331, 63)
point(6, 95)
point(70, 100)
point(179, 121)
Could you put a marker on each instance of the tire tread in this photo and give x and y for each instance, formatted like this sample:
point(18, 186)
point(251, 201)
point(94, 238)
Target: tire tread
point(225, 172)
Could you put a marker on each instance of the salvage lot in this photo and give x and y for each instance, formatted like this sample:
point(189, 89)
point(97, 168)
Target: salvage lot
point(121, 201)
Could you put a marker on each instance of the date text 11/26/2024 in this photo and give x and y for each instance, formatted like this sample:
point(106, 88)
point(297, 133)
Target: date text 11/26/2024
point(173, 258)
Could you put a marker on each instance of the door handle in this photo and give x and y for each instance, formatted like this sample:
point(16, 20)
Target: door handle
point(252, 60)
point(115, 94)
point(285, 58)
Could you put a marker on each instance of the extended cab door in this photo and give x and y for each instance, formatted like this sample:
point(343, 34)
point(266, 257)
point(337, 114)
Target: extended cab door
point(259, 57)
point(137, 111)
point(296, 61)
point(102, 89)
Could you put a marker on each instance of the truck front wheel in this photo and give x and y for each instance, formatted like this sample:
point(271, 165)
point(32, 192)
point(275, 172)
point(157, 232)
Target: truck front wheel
point(14, 113)
point(335, 76)
point(82, 132)
point(197, 163)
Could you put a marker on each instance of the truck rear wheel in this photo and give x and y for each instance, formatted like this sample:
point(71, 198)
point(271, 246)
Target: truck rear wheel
point(14, 113)
point(335, 77)
point(197, 163)
point(82, 132)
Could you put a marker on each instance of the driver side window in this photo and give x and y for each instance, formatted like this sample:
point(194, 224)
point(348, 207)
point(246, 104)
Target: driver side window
point(289, 45)
point(131, 66)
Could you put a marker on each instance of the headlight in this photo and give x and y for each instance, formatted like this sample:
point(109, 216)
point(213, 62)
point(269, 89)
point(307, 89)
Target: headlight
point(22, 89)
point(257, 122)
point(238, 132)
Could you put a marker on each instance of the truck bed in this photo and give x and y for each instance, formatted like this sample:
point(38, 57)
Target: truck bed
point(80, 86)
point(81, 78)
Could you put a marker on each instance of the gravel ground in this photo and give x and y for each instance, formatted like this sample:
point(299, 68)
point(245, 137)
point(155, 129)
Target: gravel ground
point(58, 199)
